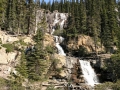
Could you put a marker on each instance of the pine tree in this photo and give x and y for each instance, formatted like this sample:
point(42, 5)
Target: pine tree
point(11, 15)
point(22, 68)
point(21, 14)
point(83, 17)
point(109, 25)
point(2, 12)
point(30, 16)
point(36, 61)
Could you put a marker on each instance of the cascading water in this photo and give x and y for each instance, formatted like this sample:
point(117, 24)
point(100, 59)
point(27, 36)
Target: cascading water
point(59, 39)
point(88, 72)
point(60, 49)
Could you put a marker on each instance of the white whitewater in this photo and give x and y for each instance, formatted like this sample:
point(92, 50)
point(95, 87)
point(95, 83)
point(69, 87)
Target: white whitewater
point(88, 72)
point(59, 19)
point(60, 49)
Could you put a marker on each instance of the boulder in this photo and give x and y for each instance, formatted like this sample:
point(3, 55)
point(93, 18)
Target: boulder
point(61, 63)
point(28, 40)
point(5, 38)
point(6, 58)
point(62, 60)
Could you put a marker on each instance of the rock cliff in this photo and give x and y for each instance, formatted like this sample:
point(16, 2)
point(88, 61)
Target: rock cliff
point(85, 41)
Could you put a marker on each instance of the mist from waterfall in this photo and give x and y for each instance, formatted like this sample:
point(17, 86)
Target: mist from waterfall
point(88, 72)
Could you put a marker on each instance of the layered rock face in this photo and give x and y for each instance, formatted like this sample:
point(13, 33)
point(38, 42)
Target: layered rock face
point(5, 38)
point(85, 41)
point(52, 19)
point(48, 40)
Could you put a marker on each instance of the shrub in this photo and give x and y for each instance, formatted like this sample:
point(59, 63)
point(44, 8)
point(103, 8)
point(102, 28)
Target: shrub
point(0, 41)
point(22, 42)
point(50, 49)
point(82, 51)
point(108, 85)
point(9, 47)
point(58, 32)
point(2, 83)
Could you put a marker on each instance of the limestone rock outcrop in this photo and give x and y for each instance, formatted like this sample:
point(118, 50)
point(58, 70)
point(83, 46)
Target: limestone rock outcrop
point(61, 63)
point(6, 58)
point(5, 38)
point(85, 41)
point(53, 19)
point(48, 40)
point(28, 40)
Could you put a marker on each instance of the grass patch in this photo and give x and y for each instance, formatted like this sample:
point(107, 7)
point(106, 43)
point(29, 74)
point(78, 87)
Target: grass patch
point(2, 82)
point(9, 47)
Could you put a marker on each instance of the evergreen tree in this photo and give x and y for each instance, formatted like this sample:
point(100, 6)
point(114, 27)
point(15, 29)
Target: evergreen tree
point(11, 15)
point(83, 17)
point(36, 61)
point(2, 12)
point(30, 16)
point(22, 68)
point(109, 25)
point(21, 14)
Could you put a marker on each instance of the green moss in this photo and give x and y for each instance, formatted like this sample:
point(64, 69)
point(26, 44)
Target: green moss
point(9, 47)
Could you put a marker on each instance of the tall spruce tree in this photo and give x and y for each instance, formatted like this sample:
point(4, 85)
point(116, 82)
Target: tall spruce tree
point(21, 16)
point(83, 17)
point(11, 15)
point(36, 61)
point(2, 12)
point(30, 16)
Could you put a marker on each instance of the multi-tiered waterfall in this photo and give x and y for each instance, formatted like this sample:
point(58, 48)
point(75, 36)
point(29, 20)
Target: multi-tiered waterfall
point(88, 72)
point(60, 19)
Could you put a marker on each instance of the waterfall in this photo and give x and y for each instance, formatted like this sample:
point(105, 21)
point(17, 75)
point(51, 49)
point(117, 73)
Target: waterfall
point(60, 49)
point(88, 72)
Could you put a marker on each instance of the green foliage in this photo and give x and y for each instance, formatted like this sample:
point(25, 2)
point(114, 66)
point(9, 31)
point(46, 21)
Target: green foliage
point(82, 51)
point(54, 63)
point(0, 41)
point(2, 83)
point(36, 60)
point(11, 84)
point(15, 83)
point(108, 85)
point(58, 32)
point(115, 64)
point(51, 88)
point(50, 49)
point(21, 42)
point(22, 67)
point(9, 47)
